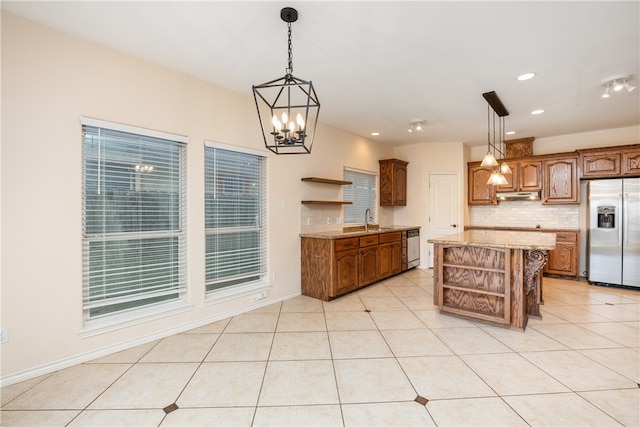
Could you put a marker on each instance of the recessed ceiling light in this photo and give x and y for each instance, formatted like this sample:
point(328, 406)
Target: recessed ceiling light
point(534, 112)
point(526, 76)
point(511, 132)
point(375, 133)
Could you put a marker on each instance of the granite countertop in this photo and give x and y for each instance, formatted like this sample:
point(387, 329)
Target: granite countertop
point(339, 234)
point(500, 239)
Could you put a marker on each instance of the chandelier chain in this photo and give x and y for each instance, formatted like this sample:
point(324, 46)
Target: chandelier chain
point(290, 52)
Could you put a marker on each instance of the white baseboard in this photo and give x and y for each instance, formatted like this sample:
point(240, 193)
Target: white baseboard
point(49, 368)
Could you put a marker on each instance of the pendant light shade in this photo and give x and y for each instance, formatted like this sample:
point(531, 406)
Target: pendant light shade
point(489, 160)
point(288, 107)
point(504, 168)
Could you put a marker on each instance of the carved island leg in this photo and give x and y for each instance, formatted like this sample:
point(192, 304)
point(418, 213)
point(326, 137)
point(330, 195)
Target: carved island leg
point(534, 260)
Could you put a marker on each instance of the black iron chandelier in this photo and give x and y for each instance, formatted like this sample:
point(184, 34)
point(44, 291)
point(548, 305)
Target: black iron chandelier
point(287, 107)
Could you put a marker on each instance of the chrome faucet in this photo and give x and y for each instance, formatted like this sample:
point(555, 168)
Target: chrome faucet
point(367, 218)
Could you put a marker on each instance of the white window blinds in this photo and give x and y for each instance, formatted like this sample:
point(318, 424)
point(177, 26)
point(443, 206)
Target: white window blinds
point(235, 217)
point(362, 195)
point(134, 239)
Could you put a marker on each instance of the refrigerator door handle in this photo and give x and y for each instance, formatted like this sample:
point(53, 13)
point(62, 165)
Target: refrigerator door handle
point(625, 218)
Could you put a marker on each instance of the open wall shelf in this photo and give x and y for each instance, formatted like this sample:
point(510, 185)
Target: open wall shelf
point(324, 202)
point(325, 181)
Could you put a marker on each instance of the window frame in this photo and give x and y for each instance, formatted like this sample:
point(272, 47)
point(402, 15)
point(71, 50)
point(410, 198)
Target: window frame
point(262, 282)
point(94, 324)
point(358, 217)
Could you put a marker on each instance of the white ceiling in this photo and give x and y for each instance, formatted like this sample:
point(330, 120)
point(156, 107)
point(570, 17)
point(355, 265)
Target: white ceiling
point(378, 65)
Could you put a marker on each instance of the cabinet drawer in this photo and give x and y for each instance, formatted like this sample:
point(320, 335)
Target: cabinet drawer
point(346, 244)
point(390, 237)
point(566, 237)
point(368, 241)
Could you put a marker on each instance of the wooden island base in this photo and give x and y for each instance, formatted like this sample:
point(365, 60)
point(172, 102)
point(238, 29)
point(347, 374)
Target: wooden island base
point(494, 276)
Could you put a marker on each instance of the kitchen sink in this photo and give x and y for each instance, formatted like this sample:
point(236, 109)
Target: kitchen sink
point(360, 228)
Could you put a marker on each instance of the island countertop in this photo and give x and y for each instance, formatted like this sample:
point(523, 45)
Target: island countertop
point(529, 240)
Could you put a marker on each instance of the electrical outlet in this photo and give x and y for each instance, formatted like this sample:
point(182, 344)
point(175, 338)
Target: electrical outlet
point(259, 296)
point(4, 335)
point(329, 220)
point(309, 222)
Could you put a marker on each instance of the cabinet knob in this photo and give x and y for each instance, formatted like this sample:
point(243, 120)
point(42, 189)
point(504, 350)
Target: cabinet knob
point(454, 225)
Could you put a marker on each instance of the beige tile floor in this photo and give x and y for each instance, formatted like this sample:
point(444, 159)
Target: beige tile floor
point(303, 362)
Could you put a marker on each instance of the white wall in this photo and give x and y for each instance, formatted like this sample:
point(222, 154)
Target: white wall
point(49, 80)
point(424, 159)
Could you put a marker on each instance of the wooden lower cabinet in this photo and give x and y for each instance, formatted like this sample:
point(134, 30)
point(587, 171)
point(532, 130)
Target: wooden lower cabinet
point(563, 260)
point(334, 267)
point(368, 265)
point(346, 279)
point(390, 254)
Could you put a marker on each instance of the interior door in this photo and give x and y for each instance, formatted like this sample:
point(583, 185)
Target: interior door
point(444, 207)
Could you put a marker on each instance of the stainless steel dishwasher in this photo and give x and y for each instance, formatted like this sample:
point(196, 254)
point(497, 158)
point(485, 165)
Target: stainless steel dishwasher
point(413, 248)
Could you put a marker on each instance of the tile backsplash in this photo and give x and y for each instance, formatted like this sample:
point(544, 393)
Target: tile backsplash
point(520, 213)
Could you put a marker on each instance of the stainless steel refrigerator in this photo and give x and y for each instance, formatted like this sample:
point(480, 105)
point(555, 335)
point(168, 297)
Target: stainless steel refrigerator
point(614, 232)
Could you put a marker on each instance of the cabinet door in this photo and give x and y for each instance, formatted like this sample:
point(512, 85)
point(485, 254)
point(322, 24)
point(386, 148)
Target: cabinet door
point(601, 165)
point(385, 260)
point(396, 257)
point(530, 174)
point(389, 259)
point(562, 260)
point(400, 185)
point(368, 271)
point(631, 162)
point(479, 192)
point(512, 179)
point(386, 183)
point(393, 182)
point(346, 277)
point(560, 181)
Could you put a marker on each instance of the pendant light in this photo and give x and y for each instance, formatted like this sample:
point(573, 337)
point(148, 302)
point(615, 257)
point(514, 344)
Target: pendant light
point(287, 107)
point(504, 166)
point(496, 177)
point(489, 159)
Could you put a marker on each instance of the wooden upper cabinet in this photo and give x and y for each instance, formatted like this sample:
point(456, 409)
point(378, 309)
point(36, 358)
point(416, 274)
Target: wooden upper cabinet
point(393, 182)
point(631, 162)
point(600, 165)
point(561, 183)
point(479, 192)
point(610, 162)
point(530, 174)
point(524, 176)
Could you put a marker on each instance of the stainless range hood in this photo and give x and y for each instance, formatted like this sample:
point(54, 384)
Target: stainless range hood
point(519, 195)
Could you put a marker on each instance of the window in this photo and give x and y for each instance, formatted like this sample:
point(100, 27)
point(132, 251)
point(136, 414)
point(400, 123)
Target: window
point(362, 195)
point(235, 217)
point(134, 239)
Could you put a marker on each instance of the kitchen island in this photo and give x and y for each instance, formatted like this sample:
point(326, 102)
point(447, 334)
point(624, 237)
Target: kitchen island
point(493, 276)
